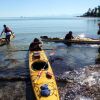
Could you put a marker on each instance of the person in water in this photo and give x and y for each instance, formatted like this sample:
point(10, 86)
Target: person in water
point(35, 45)
point(99, 29)
point(69, 36)
point(8, 33)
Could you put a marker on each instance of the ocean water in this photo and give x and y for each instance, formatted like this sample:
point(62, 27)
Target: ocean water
point(14, 62)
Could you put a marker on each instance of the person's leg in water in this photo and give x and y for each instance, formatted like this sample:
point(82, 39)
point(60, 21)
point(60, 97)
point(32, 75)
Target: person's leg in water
point(99, 32)
point(8, 39)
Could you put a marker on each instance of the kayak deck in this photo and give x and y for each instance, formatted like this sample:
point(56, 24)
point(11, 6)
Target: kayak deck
point(39, 67)
point(2, 42)
point(75, 40)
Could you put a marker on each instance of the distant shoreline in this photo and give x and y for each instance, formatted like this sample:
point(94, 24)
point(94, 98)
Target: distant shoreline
point(88, 16)
point(45, 18)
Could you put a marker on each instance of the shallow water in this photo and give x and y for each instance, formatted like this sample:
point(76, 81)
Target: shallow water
point(67, 67)
point(68, 62)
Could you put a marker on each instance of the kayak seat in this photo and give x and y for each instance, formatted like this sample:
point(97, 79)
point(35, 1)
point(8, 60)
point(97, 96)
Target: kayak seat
point(39, 65)
point(36, 55)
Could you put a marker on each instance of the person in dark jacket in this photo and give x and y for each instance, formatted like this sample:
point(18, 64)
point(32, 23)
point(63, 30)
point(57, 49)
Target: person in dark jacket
point(35, 45)
point(69, 36)
point(8, 33)
point(99, 29)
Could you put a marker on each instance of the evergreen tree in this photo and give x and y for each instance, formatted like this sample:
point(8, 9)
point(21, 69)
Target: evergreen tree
point(98, 11)
point(92, 12)
point(95, 12)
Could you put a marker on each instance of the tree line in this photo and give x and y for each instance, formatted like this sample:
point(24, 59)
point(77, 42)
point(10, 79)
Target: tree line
point(92, 12)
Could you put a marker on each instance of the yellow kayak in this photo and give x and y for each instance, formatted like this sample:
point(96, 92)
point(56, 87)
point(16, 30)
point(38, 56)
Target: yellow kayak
point(75, 40)
point(42, 77)
point(3, 41)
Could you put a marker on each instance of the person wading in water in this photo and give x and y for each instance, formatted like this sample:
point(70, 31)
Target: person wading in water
point(8, 33)
point(99, 29)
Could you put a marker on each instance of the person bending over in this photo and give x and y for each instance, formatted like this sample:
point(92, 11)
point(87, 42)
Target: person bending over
point(35, 45)
point(8, 33)
point(69, 36)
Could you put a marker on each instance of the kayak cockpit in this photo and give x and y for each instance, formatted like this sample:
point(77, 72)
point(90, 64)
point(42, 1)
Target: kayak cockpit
point(39, 65)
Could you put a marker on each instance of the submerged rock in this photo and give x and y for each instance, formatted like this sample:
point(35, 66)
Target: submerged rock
point(84, 84)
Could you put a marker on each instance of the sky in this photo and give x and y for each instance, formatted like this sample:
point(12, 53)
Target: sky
point(41, 8)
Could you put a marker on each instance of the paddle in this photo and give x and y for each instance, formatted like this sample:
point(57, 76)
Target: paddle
point(24, 50)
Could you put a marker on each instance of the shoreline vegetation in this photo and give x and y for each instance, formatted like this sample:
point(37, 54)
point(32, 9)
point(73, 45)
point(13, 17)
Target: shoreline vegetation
point(95, 12)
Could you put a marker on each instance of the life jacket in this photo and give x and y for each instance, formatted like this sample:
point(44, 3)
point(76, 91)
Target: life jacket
point(68, 37)
point(35, 46)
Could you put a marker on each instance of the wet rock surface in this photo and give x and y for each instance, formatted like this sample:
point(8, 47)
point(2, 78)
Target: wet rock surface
point(82, 84)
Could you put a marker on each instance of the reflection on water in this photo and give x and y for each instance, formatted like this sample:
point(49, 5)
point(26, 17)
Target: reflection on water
point(12, 63)
point(72, 57)
point(68, 44)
